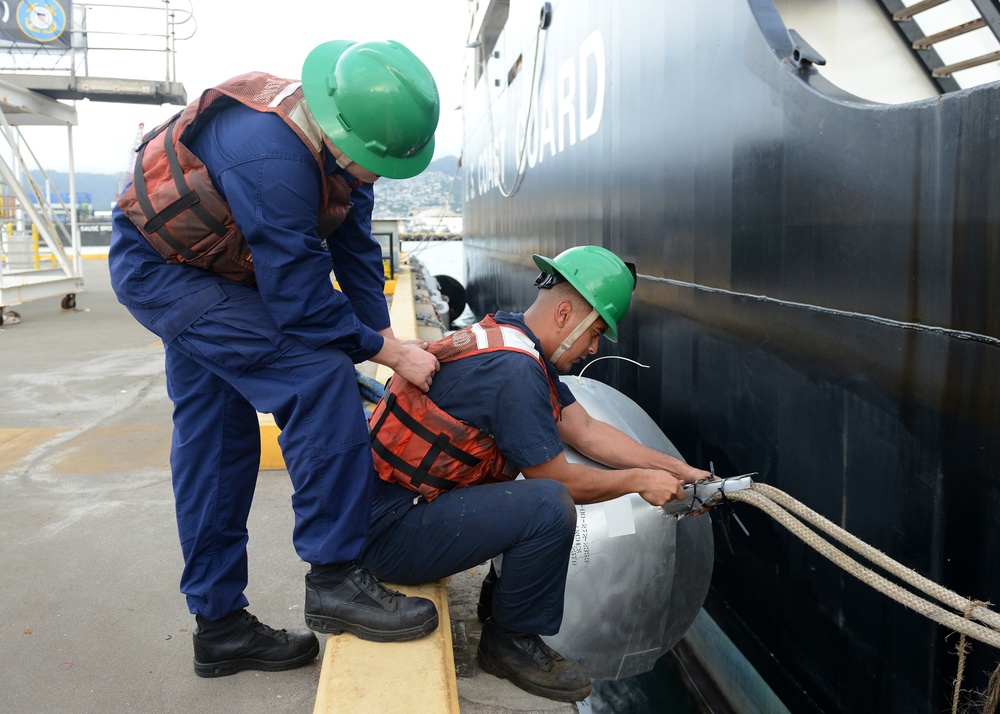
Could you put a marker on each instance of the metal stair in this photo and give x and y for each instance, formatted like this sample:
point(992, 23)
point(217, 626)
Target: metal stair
point(976, 14)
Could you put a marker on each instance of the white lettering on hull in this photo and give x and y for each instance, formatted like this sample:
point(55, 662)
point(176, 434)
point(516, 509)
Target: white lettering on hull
point(566, 111)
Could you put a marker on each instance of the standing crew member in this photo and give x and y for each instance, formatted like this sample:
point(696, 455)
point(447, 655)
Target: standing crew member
point(223, 246)
point(445, 501)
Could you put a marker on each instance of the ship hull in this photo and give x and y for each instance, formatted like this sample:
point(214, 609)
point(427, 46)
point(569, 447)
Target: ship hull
point(818, 301)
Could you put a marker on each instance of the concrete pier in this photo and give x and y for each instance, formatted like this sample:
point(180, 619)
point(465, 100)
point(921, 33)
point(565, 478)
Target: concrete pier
point(91, 619)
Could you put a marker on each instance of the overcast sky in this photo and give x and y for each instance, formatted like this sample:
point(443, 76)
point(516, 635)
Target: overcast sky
point(236, 37)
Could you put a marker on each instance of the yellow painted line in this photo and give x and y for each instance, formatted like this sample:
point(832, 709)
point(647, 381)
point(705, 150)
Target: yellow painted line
point(16, 445)
point(404, 325)
point(415, 677)
point(110, 449)
point(114, 449)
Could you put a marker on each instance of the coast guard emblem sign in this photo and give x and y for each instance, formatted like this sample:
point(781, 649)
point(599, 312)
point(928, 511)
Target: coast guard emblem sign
point(35, 22)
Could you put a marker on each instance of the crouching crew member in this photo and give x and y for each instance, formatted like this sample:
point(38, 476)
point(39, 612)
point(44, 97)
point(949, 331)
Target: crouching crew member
point(445, 500)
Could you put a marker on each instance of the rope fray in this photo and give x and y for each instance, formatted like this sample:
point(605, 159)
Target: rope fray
point(977, 621)
point(991, 697)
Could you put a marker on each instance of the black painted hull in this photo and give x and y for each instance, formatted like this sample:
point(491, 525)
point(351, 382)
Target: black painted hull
point(819, 301)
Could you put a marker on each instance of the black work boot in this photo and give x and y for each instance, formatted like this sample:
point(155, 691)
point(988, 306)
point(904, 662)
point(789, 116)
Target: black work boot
point(531, 664)
point(240, 641)
point(348, 597)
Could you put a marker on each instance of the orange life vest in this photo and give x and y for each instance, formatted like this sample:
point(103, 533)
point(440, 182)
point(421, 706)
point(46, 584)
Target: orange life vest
point(173, 202)
point(422, 447)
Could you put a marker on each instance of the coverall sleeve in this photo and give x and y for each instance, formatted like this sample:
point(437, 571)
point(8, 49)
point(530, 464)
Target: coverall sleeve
point(357, 260)
point(275, 202)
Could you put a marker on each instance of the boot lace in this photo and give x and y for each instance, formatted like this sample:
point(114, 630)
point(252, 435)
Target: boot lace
point(368, 581)
point(257, 626)
point(535, 648)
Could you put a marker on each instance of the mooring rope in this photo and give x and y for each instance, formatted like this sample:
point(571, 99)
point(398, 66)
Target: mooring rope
point(781, 507)
point(953, 600)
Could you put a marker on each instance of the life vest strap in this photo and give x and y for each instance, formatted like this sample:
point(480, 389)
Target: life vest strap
point(418, 475)
point(142, 196)
point(184, 202)
point(390, 399)
point(180, 182)
point(423, 432)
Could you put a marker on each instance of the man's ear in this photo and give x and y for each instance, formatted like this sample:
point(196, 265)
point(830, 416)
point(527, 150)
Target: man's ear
point(564, 312)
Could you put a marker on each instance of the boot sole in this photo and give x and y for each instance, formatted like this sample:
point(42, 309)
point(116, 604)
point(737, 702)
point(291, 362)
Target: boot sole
point(497, 669)
point(232, 666)
point(333, 626)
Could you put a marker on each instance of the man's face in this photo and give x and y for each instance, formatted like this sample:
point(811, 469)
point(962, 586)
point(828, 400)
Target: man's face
point(586, 345)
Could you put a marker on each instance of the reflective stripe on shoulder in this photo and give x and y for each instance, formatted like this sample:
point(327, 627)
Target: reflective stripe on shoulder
point(482, 339)
point(512, 337)
point(303, 119)
point(287, 91)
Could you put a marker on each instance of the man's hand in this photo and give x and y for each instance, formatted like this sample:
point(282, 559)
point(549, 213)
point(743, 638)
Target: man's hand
point(659, 487)
point(410, 360)
point(417, 366)
point(687, 474)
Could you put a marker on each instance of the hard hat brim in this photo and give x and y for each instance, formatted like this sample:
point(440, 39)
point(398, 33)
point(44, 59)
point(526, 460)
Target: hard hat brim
point(315, 70)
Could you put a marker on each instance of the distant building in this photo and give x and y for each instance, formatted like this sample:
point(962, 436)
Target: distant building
point(433, 220)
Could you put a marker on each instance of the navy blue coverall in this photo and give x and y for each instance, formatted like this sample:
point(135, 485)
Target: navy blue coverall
point(286, 347)
point(531, 522)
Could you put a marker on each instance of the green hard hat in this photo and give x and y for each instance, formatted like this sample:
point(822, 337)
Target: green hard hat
point(600, 276)
point(376, 101)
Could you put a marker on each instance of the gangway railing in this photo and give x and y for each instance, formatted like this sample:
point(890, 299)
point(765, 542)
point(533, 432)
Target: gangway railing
point(949, 37)
point(106, 51)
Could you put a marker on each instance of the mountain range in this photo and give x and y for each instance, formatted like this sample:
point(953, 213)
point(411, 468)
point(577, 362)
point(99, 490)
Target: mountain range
point(441, 182)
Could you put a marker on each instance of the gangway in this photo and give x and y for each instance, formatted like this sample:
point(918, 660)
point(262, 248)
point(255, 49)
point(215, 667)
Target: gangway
point(56, 52)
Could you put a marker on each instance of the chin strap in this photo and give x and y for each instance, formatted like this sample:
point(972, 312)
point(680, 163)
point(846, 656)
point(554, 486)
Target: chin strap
point(343, 162)
point(574, 335)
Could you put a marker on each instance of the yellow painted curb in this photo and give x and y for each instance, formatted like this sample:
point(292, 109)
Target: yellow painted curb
point(271, 457)
point(415, 677)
